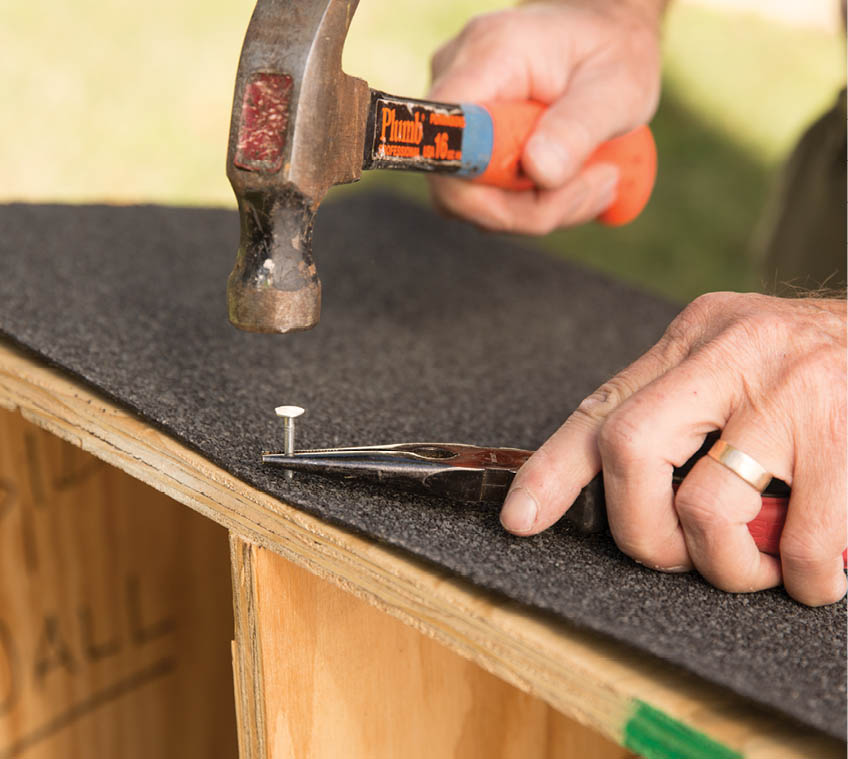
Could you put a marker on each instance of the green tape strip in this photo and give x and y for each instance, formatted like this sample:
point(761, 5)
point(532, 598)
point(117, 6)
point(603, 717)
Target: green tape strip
point(654, 735)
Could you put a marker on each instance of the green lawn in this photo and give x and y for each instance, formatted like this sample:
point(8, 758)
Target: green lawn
point(125, 102)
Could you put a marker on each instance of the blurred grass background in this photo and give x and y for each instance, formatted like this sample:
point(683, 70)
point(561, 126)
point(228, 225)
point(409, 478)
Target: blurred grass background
point(125, 102)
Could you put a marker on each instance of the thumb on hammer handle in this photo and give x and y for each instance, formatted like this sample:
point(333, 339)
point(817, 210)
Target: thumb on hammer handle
point(634, 153)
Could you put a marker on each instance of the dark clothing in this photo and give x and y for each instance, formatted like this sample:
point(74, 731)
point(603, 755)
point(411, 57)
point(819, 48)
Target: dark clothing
point(805, 245)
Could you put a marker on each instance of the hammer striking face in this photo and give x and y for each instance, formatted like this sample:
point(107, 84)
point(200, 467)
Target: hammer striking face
point(300, 125)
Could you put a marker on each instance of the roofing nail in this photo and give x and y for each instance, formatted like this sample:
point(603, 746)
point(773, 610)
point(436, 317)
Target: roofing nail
point(288, 414)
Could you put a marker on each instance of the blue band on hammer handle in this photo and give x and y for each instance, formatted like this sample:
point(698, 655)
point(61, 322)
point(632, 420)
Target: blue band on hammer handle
point(477, 140)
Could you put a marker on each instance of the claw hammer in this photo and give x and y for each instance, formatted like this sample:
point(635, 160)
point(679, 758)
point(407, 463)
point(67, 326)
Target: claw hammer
point(301, 125)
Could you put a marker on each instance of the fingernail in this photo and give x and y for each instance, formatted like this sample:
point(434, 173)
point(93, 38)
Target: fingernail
point(551, 163)
point(519, 511)
point(595, 399)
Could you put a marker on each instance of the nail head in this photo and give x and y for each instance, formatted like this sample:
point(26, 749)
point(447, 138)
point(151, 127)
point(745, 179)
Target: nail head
point(289, 412)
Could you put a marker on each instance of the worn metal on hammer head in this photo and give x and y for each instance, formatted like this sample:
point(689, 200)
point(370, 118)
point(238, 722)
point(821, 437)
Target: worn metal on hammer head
point(297, 128)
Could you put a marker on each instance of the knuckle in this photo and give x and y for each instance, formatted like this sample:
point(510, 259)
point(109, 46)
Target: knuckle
point(638, 97)
point(645, 550)
point(817, 367)
point(474, 28)
point(695, 503)
point(582, 203)
point(836, 422)
point(764, 328)
point(638, 549)
point(736, 582)
point(496, 219)
point(455, 198)
point(619, 439)
point(441, 59)
point(710, 302)
point(688, 324)
point(826, 591)
point(574, 132)
point(534, 473)
point(832, 593)
point(695, 317)
point(806, 384)
point(489, 28)
point(443, 197)
point(492, 224)
point(673, 346)
point(804, 550)
point(542, 479)
point(540, 476)
point(477, 50)
point(733, 576)
point(607, 397)
point(542, 228)
point(540, 224)
point(489, 225)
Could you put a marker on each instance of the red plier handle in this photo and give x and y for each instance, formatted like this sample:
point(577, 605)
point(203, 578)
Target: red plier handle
point(767, 527)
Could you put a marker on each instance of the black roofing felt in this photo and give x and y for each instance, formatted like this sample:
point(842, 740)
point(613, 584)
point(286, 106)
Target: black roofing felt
point(430, 331)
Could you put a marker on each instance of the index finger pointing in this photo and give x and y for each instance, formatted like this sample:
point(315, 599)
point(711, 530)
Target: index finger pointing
point(551, 479)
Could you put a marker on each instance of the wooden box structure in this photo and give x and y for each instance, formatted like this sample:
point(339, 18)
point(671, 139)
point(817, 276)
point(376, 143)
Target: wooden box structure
point(117, 616)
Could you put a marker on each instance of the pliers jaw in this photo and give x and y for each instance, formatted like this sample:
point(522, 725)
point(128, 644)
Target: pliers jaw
point(452, 470)
point(460, 472)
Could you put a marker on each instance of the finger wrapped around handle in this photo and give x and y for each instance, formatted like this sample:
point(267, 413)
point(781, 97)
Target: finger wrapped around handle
point(512, 123)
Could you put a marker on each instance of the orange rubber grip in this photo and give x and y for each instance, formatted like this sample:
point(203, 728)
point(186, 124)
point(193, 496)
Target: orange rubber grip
point(634, 153)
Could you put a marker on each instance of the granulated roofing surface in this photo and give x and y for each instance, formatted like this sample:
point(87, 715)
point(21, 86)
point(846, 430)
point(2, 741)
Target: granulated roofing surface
point(430, 331)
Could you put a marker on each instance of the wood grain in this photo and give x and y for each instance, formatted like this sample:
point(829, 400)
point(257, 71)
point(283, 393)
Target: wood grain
point(114, 611)
point(338, 677)
point(585, 677)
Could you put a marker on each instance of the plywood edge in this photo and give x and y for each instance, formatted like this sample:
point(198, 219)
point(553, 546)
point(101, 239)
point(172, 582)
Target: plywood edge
point(247, 668)
point(605, 685)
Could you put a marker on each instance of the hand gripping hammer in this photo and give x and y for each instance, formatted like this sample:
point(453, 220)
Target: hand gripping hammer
point(301, 125)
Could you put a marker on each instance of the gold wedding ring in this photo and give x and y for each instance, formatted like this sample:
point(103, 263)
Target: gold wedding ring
point(741, 464)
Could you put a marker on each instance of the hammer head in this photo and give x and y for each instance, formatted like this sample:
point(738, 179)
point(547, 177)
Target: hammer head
point(297, 128)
